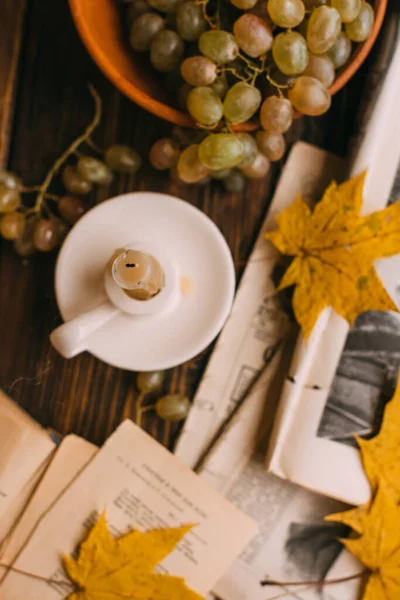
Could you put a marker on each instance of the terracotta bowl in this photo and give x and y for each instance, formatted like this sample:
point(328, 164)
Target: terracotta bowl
point(101, 28)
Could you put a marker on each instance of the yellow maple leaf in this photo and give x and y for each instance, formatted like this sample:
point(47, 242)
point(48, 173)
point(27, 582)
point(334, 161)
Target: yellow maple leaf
point(334, 250)
point(110, 569)
point(378, 545)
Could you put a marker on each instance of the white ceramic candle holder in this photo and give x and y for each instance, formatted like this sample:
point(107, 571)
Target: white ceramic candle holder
point(143, 335)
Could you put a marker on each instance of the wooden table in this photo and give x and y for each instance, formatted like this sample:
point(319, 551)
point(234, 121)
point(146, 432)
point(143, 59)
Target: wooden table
point(44, 104)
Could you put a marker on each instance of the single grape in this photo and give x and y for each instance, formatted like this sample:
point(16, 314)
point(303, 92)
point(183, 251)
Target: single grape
point(199, 71)
point(10, 199)
point(219, 46)
point(286, 13)
point(23, 245)
point(253, 35)
point(340, 52)
point(235, 182)
point(45, 235)
point(10, 180)
point(258, 169)
point(289, 50)
point(309, 96)
point(347, 9)
point(261, 10)
point(164, 154)
point(222, 174)
point(359, 29)
point(173, 407)
point(94, 170)
point(205, 106)
point(150, 381)
point(74, 183)
point(135, 10)
point(62, 228)
point(241, 102)
point(220, 87)
point(166, 51)
point(71, 208)
point(166, 6)
point(122, 159)
point(272, 145)
point(323, 29)
point(12, 225)
point(190, 21)
point(321, 67)
point(189, 168)
point(276, 114)
point(250, 149)
point(221, 151)
point(144, 30)
point(244, 4)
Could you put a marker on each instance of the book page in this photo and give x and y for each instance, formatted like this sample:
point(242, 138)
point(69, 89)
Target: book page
point(140, 485)
point(73, 454)
point(24, 449)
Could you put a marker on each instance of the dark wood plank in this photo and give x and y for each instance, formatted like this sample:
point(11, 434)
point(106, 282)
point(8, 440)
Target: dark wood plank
point(12, 14)
point(84, 395)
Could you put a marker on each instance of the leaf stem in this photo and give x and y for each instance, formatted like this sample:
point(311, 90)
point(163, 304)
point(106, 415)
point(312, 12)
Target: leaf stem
point(35, 576)
point(310, 584)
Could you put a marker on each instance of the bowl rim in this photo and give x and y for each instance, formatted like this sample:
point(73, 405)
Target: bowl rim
point(177, 117)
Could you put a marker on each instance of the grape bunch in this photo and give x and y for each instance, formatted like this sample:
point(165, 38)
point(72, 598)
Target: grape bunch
point(231, 63)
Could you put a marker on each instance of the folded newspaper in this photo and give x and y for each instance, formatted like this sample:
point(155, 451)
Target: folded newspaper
point(294, 542)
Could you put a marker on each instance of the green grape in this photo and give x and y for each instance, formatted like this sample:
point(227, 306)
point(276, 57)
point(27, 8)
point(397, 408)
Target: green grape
point(309, 96)
point(74, 183)
point(166, 51)
point(166, 6)
point(221, 151)
point(220, 87)
point(23, 245)
point(10, 180)
point(222, 174)
point(286, 13)
point(272, 145)
point(289, 50)
point(244, 4)
point(323, 29)
point(173, 407)
point(241, 102)
point(122, 159)
point(190, 169)
point(276, 114)
point(253, 35)
point(321, 67)
point(144, 30)
point(347, 9)
point(258, 169)
point(219, 46)
point(94, 170)
point(45, 236)
point(135, 10)
point(10, 199)
point(71, 208)
point(150, 381)
point(340, 52)
point(359, 29)
point(235, 182)
point(205, 106)
point(164, 154)
point(190, 21)
point(249, 149)
point(12, 225)
point(199, 71)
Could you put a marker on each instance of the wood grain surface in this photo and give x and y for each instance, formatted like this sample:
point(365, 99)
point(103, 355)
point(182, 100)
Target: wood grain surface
point(42, 58)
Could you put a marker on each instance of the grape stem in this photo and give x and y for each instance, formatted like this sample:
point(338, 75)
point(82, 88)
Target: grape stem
point(276, 84)
point(70, 150)
point(210, 20)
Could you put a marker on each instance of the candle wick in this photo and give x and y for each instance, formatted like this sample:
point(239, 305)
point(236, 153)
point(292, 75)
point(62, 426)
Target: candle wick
point(130, 265)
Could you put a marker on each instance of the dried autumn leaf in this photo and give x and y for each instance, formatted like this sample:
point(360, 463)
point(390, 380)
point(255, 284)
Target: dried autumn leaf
point(334, 250)
point(111, 569)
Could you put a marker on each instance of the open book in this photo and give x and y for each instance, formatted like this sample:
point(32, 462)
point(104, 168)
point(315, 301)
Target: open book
point(140, 485)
